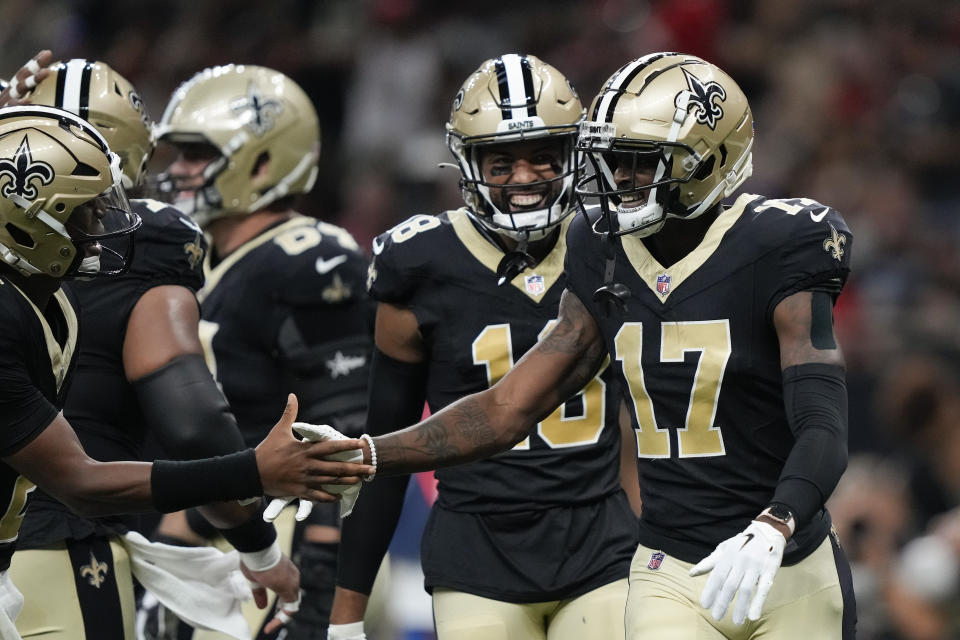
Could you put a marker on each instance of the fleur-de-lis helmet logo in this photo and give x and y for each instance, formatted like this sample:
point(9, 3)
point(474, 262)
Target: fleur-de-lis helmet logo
point(702, 98)
point(262, 112)
point(22, 172)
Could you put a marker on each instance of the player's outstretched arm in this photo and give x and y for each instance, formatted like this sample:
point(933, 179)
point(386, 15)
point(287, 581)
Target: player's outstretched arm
point(490, 421)
point(815, 400)
point(280, 465)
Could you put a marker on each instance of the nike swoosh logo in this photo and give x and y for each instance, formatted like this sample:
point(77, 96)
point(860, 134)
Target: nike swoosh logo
point(820, 216)
point(377, 246)
point(749, 537)
point(326, 266)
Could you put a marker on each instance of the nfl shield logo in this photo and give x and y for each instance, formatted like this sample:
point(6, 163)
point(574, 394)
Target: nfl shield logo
point(534, 284)
point(663, 284)
point(656, 559)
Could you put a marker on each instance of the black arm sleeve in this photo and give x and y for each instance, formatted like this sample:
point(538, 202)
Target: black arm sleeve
point(191, 420)
point(815, 397)
point(186, 411)
point(397, 391)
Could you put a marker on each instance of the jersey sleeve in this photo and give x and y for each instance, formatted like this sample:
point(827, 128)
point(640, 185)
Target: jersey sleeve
point(24, 412)
point(169, 247)
point(401, 258)
point(814, 254)
point(324, 334)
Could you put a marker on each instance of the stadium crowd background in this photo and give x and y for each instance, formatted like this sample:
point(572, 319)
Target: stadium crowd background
point(856, 104)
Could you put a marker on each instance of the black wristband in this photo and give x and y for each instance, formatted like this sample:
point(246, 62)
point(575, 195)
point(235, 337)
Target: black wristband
point(253, 535)
point(178, 485)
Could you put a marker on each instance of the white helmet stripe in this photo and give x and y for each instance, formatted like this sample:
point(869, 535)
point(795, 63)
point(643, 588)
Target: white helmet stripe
point(516, 87)
point(73, 71)
point(612, 91)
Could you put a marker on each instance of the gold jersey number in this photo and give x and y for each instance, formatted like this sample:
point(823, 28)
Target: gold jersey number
point(699, 437)
point(493, 349)
point(16, 509)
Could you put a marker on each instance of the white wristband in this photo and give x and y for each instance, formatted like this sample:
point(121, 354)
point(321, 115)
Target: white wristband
point(373, 456)
point(264, 559)
point(350, 631)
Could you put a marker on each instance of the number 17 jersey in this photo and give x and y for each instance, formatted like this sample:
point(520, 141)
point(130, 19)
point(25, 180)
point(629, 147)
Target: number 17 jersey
point(700, 358)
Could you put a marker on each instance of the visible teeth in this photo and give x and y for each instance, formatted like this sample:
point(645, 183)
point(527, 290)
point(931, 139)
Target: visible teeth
point(525, 199)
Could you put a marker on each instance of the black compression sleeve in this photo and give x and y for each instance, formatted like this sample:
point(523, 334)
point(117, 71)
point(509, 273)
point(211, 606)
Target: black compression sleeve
point(191, 419)
point(178, 485)
point(397, 391)
point(186, 411)
point(815, 398)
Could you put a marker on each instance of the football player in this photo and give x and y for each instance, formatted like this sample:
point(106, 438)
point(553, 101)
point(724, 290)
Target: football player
point(61, 202)
point(141, 368)
point(718, 321)
point(284, 305)
point(536, 542)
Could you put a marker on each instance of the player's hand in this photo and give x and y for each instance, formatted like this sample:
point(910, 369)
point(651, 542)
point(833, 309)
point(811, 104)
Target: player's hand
point(290, 467)
point(23, 81)
point(350, 631)
point(284, 580)
point(743, 566)
point(347, 492)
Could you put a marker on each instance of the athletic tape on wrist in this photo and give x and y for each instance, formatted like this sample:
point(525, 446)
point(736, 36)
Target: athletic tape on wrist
point(264, 559)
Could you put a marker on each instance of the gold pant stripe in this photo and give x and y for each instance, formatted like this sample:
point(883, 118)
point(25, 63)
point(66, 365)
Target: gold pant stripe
point(598, 615)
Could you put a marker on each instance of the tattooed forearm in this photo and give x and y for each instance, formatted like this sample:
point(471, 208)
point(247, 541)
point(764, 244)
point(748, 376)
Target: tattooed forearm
point(461, 433)
point(472, 422)
point(570, 334)
point(586, 367)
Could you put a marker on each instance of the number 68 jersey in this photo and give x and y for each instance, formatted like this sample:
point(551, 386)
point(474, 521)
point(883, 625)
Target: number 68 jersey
point(443, 270)
point(699, 355)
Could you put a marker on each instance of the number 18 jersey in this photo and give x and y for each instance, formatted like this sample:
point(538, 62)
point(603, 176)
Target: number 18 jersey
point(444, 271)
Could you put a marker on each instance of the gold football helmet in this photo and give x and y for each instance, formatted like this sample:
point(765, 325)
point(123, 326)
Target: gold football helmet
point(252, 117)
point(676, 119)
point(61, 193)
point(510, 99)
point(101, 96)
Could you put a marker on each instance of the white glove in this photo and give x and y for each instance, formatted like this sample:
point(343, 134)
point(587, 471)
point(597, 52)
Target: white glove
point(348, 492)
point(351, 631)
point(739, 565)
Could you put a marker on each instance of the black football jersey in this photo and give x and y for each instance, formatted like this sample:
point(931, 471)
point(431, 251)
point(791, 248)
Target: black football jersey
point(288, 312)
point(37, 353)
point(444, 271)
point(698, 351)
point(102, 406)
